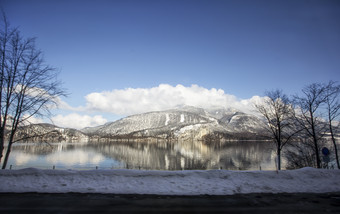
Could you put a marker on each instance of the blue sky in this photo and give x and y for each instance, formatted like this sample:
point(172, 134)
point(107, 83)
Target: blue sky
point(132, 52)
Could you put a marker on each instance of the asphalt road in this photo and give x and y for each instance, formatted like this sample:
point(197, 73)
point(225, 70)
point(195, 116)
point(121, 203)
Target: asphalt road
point(108, 203)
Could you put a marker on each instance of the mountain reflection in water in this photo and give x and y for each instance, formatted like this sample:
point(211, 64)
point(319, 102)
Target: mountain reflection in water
point(238, 155)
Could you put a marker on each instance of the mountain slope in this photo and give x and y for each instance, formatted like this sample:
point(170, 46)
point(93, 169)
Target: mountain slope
point(163, 121)
point(185, 122)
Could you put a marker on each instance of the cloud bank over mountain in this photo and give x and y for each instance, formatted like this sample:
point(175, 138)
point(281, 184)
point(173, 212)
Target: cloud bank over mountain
point(129, 101)
point(140, 100)
point(78, 121)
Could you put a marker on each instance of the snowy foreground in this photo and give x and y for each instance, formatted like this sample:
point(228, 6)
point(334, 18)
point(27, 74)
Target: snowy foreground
point(212, 182)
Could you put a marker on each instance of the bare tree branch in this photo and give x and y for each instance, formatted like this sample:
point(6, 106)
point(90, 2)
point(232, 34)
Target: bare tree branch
point(277, 110)
point(28, 86)
point(309, 114)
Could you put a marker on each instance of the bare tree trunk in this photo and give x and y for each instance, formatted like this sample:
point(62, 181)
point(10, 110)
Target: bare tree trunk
point(336, 152)
point(278, 159)
point(16, 120)
point(2, 142)
point(315, 141)
point(334, 144)
point(317, 155)
point(333, 107)
point(7, 155)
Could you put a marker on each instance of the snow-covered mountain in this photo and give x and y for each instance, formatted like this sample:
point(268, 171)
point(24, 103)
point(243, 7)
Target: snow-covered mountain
point(152, 123)
point(185, 122)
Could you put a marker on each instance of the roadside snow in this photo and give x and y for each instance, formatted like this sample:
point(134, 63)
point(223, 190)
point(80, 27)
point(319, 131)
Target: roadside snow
point(212, 182)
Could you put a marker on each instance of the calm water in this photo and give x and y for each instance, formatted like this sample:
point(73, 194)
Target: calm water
point(250, 155)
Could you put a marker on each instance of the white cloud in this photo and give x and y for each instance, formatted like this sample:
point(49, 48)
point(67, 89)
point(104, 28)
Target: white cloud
point(139, 100)
point(60, 104)
point(78, 121)
point(31, 119)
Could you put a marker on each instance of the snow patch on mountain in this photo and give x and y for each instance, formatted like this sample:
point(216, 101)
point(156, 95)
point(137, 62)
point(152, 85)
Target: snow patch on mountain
point(182, 118)
point(167, 119)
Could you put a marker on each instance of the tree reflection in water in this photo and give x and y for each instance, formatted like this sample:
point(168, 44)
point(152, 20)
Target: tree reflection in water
point(161, 155)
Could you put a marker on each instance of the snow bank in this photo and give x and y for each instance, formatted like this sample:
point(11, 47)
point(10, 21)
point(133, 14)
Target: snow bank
point(212, 182)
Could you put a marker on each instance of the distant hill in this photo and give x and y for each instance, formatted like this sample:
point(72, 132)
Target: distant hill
point(45, 132)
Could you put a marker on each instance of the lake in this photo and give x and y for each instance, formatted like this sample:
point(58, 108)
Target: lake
point(189, 155)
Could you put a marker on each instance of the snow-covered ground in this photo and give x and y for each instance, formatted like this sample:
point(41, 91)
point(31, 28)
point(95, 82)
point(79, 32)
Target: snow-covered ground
point(212, 182)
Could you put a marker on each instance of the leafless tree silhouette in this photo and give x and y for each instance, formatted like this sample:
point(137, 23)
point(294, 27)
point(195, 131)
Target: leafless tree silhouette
point(29, 87)
point(278, 112)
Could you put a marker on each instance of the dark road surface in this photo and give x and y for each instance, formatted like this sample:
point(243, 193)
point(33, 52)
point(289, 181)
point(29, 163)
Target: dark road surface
point(108, 203)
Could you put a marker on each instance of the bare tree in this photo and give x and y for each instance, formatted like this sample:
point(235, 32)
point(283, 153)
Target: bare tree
point(300, 154)
point(277, 110)
point(309, 115)
point(333, 112)
point(28, 86)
